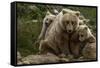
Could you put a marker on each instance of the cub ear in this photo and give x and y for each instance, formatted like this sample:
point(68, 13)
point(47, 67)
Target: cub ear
point(48, 13)
point(77, 13)
point(85, 28)
point(55, 12)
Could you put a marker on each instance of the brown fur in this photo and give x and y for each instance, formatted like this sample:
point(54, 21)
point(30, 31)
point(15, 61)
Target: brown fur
point(48, 20)
point(75, 45)
point(56, 40)
point(89, 51)
point(72, 27)
point(89, 46)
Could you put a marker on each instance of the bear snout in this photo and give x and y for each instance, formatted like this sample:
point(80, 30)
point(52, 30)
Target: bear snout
point(69, 28)
point(69, 31)
point(47, 24)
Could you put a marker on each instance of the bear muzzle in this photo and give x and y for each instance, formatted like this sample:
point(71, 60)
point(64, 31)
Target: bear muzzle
point(69, 31)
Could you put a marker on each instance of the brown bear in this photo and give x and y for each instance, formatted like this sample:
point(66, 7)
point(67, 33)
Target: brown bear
point(75, 44)
point(49, 18)
point(72, 27)
point(56, 40)
point(88, 42)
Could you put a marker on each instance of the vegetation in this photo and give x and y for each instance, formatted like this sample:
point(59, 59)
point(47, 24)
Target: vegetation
point(29, 23)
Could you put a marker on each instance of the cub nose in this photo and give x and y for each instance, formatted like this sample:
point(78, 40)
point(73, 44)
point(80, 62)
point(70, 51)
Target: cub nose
point(46, 23)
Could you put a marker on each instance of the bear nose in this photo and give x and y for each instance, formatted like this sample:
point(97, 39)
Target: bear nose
point(69, 31)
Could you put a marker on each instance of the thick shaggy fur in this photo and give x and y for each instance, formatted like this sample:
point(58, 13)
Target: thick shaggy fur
point(56, 40)
point(74, 43)
point(72, 27)
point(88, 42)
point(49, 18)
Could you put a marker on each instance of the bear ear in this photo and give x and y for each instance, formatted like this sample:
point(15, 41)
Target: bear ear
point(77, 13)
point(48, 13)
point(64, 11)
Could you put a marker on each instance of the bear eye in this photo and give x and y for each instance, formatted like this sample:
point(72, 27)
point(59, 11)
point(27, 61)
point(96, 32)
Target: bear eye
point(67, 22)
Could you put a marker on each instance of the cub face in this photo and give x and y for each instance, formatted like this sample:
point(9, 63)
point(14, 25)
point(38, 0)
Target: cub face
point(84, 32)
point(49, 18)
point(70, 21)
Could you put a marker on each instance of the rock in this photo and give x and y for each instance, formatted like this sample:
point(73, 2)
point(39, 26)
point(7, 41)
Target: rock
point(64, 60)
point(39, 59)
point(26, 62)
point(19, 55)
point(19, 63)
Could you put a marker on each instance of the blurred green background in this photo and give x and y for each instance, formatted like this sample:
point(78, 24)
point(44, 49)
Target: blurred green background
point(29, 23)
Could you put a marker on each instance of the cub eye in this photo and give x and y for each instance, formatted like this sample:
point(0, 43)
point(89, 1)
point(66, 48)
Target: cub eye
point(47, 19)
point(51, 20)
point(81, 35)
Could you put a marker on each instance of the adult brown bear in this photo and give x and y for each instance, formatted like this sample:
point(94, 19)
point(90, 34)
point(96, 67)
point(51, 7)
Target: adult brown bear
point(56, 39)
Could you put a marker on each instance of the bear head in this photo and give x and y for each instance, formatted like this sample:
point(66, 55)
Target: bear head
point(70, 20)
point(49, 18)
point(84, 32)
